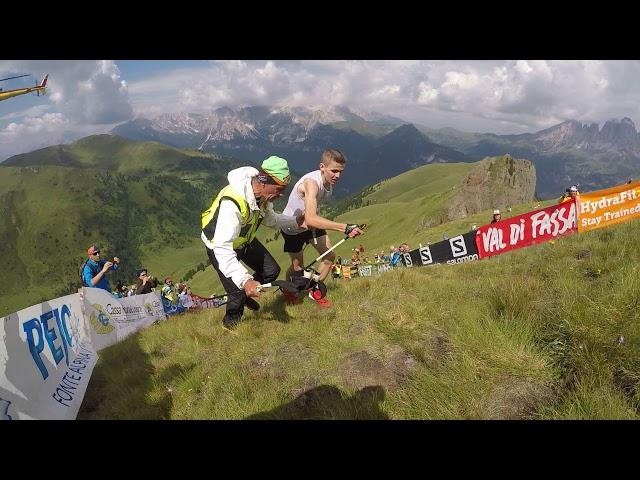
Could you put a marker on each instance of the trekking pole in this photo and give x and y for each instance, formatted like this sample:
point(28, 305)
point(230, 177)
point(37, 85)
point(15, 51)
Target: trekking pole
point(283, 284)
point(309, 278)
point(361, 227)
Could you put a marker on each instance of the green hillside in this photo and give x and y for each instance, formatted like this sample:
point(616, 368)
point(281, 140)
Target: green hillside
point(138, 201)
point(546, 332)
point(141, 201)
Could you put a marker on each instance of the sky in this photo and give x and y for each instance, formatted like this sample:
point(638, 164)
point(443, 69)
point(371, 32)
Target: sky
point(87, 97)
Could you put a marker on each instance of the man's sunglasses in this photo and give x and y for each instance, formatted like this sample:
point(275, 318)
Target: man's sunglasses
point(97, 252)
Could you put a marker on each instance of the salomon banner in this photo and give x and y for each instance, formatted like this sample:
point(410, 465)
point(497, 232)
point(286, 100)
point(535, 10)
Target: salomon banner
point(527, 229)
point(110, 320)
point(603, 208)
point(47, 359)
point(458, 249)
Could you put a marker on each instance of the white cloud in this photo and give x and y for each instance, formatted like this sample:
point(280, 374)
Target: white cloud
point(87, 92)
point(522, 94)
point(499, 96)
point(85, 97)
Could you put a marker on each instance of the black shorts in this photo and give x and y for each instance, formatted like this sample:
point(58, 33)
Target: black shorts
point(294, 243)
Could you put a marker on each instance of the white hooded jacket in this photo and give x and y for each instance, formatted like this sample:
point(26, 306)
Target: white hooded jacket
point(230, 221)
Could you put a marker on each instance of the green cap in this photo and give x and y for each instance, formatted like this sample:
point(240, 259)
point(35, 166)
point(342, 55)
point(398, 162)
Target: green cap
point(277, 169)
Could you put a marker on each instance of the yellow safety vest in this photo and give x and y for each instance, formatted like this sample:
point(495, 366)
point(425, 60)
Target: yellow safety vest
point(250, 219)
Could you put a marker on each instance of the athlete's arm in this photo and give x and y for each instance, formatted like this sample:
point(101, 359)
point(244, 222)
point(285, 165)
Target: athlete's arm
point(309, 191)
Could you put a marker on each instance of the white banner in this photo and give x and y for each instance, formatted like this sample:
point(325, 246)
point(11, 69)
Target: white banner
point(364, 271)
point(110, 320)
point(47, 360)
point(384, 267)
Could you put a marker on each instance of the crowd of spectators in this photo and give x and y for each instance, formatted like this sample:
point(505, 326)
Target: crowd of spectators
point(94, 274)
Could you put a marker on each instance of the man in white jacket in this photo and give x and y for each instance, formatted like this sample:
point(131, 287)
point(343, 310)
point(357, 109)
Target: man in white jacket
point(229, 227)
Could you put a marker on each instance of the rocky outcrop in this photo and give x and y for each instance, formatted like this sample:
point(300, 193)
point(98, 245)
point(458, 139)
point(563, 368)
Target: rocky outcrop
point(496, 182)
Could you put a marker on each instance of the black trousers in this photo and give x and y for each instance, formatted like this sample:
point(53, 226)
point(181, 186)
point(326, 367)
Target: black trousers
point(257, 258)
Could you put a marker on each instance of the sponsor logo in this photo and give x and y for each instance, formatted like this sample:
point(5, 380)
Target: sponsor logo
point(458, 247)
point(468, 258)
point(100, 319)
point(56, 330)
point(425, 255)
point(407, 260)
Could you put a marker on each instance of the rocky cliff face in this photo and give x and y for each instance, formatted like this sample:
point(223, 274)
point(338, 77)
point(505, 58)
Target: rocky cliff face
point(619, 135)
point(496, 182)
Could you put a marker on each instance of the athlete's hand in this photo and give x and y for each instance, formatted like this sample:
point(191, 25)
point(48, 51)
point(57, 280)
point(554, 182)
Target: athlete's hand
point(251, 288)
point(352, 230)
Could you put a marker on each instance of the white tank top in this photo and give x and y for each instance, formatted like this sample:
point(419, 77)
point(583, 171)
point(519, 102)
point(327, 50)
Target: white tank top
point(295, 204)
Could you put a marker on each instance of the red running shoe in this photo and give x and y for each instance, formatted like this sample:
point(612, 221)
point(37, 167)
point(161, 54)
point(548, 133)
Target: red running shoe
point(322, 302)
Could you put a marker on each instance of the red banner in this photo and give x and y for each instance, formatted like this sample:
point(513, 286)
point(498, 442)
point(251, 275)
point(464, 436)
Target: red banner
point(203, 302)
point(527, 229)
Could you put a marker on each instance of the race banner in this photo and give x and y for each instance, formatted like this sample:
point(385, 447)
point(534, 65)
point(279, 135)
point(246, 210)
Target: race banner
point(603, 208)
point(527, 229)
point(458, 249)
point(364, 270)
point(171, 308)
point(110, 320)
point(384, 267)
point(47, 359)
point(204, 302)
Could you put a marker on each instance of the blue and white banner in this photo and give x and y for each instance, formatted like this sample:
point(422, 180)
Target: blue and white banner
point(47, 359)
point(110, 320)
point(172, 308)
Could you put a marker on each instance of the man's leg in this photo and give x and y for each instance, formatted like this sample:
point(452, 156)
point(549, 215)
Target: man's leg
point(297, 263)
point(257, 257)
point(265, 267)
point(323, 244)
point(294, 246)
point(236, 299)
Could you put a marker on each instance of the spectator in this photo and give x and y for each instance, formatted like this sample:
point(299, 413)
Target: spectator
point(346, 272)
point(312, 190)
point(169, 291)
point(337, 268)
point(229, 227)
point(120, 291)
point(145, 282)
point(496, 216)
point(395, 256)
point(570, 194)
point(184, 297)
point(94, 271)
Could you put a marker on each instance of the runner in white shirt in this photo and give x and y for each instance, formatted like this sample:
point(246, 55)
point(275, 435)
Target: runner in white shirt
point(308, 193)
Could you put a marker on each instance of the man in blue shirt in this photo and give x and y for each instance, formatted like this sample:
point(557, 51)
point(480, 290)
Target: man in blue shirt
point(95, 269)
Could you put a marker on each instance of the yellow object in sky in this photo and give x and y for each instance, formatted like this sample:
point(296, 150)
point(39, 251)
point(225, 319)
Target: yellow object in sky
point(42, 88)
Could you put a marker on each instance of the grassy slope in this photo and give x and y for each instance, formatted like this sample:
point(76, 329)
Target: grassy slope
point(139, 201)
point(529, 334)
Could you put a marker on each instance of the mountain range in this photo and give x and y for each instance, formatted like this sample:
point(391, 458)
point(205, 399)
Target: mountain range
point(379, 146)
